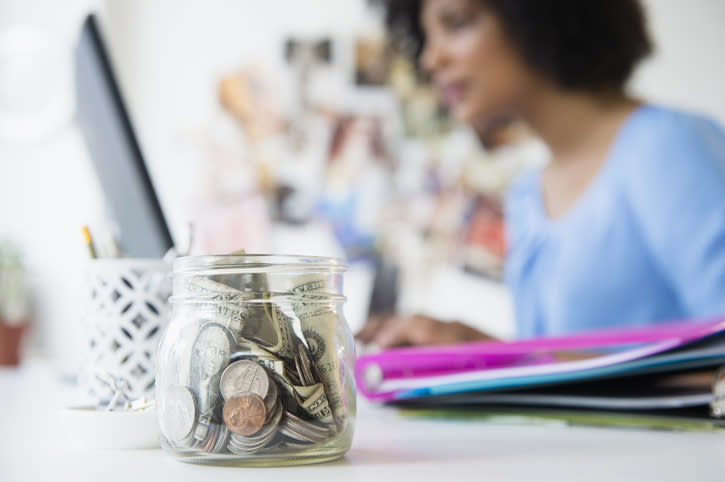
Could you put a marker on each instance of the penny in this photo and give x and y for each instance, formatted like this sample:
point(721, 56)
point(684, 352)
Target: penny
point(245, 413)
point(244, 376)
point(270, 427)
point(211, 439)
point(179, 413)
point(216, 440)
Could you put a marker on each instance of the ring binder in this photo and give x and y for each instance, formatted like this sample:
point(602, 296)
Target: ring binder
point(676, 366)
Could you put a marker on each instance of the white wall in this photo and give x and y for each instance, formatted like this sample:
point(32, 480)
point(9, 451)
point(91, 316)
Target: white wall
point(688, 66)
point(169, 54)
point(172, 52)
point(47, 191)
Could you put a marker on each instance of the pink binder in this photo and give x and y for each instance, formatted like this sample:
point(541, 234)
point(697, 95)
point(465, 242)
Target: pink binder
point(384, 375)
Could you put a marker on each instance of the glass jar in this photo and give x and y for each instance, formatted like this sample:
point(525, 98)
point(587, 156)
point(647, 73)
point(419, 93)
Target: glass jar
point(257, 364)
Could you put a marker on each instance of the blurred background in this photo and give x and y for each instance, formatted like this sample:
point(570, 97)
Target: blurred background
point(281, 126)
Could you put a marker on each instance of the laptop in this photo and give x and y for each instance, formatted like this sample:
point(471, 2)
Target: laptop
point(115, 152)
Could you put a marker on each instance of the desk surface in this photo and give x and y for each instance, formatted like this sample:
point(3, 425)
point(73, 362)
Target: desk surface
point(387, 447)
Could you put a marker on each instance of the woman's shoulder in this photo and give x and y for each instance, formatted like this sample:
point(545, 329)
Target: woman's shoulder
point(671, 168)
point(662, 142)
point(660, 128)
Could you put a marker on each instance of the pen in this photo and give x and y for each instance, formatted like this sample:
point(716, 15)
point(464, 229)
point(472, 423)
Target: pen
point(89, 242)
point(109, 246)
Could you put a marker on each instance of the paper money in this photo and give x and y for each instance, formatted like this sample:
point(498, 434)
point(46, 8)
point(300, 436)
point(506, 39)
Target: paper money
point(272, 364)
point(207, 289)
point(319, 323)
point(210, 355)
point(313, 401)
point(220, 303)
point(266, 325)
point(251, 351)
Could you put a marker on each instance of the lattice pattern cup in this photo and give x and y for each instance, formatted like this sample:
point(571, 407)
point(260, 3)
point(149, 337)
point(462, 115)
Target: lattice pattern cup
point(127, 311)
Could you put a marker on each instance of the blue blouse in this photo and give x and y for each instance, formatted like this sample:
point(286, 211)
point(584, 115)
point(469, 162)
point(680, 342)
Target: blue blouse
point(644, 243)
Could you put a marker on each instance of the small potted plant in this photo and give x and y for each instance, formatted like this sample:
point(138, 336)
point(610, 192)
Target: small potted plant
point(13, 303)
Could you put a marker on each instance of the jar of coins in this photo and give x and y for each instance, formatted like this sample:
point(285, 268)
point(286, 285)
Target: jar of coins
point(257, 364)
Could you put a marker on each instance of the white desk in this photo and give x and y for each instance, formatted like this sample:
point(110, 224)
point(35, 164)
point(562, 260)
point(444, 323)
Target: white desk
point(387, 447)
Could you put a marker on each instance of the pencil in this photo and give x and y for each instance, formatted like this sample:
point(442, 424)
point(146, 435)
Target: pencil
point(89, 242)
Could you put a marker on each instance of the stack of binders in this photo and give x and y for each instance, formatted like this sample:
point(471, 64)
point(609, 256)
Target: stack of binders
point(672, 368)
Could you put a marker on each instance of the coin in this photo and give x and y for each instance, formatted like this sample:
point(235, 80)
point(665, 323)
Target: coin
point(223, 439)
point(262, 440)
point(267, 432)
point(179, 413)
point(303, 430)
point(216, 438)
point(245, 413)
point(304, 366)
point(207, 445)
point(272, 399)
point(244, 376)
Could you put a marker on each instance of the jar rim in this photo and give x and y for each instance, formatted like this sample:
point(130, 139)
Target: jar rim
point(256, 262)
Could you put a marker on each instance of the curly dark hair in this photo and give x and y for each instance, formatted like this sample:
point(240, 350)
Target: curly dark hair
point(579, 45)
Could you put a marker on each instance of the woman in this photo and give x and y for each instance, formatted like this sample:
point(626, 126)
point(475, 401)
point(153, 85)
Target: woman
point(626, 224)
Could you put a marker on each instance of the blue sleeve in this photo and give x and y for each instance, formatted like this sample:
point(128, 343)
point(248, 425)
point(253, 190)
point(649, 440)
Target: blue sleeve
point(676, 186)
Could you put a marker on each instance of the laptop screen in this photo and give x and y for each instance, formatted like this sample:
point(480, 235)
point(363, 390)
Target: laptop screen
point(115, 152)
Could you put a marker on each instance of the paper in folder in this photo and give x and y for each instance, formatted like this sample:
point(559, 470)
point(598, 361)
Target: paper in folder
point(667, 366)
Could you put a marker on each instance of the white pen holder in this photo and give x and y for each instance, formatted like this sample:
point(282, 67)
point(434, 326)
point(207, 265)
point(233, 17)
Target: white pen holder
point(126, 314)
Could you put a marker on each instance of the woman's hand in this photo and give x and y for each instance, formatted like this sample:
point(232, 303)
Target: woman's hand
point(387, 331)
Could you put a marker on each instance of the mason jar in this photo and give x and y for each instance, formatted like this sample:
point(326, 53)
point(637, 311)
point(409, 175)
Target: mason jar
point(257, 364)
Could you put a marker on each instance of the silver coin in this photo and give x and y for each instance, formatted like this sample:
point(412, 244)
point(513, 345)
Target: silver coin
point(244, 376)
point(291, 430)
point(305, 365)
point(239, 450)
point(293, 376)
point(207, 445)
point(238, 446)
point(297, 445)
point(272, 399)
point(291, 434)
point(179, 413)
point(303, 429)
point(222, 440)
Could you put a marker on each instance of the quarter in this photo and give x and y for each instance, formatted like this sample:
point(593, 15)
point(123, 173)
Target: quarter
point(179, 413)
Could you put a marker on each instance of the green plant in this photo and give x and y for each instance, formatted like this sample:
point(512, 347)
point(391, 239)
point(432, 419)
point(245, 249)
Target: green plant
point(10, 255)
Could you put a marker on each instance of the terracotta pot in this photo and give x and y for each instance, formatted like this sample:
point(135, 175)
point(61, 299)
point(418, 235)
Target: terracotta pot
point(10, 338)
